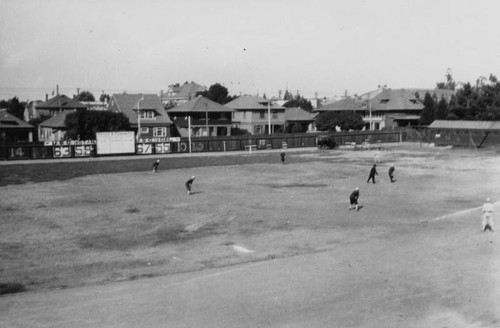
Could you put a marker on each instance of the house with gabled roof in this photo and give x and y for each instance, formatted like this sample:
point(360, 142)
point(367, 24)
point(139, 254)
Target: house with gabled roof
point(58, 104)
point(179, 94)
point(257, 115)
point(53, 129)
point(203, 116)
point(301, 117)
point(147, 116)
point(387, 108)
point(13, 129)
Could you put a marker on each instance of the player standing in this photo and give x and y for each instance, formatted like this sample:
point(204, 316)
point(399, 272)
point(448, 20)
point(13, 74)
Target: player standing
point(373, 172)
point(487, 211)
point(282, 157)
point(391, 173)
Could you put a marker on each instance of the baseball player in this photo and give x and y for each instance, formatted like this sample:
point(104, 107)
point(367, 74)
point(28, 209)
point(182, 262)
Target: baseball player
point(189, 183)
point(155, 166)
point(354, 199)
point(391, 173)
point(373, 172)
point(487, 211)
point(282, 157)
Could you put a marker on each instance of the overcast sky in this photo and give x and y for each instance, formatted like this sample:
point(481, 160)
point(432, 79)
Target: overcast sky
point(249, 46)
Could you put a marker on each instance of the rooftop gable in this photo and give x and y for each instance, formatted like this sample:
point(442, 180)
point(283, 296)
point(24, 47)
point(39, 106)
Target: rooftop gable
point(200, 104)
point(8, 120)
point(129, 104)
point(60, 102)
point(298, 114)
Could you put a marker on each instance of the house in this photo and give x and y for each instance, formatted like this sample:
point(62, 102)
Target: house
point(146, 114)
point(179, 94)
point(57, 104)
point(475, 134)
point(204, 115)
point(302, 118)
point(257, 115)
point(13, 129)
point(388, 108)
point(53, 129)
point(30, 112)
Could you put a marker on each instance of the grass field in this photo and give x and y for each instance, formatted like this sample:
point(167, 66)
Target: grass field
point(64, 225)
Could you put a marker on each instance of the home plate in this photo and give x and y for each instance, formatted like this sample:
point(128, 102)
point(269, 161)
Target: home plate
point(242, 249)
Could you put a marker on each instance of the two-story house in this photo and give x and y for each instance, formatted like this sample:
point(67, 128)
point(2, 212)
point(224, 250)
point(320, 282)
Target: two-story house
point(179, 94)
point(58, 107)
point(146, 114)
point(387, 108)
point(257, 115)
point(204, 116)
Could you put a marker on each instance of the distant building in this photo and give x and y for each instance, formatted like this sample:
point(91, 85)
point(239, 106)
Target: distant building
point(255, 114)
point(13, 129)
point(475, 134)
point(95, 105)
point(203, 113)
point(53, 129)
point(297, 115)
point(146, 114)
point(56, 105)
point(179, 94)
point(387, 108)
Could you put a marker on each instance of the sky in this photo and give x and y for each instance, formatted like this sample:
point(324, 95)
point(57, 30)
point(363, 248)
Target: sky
point(316, 47)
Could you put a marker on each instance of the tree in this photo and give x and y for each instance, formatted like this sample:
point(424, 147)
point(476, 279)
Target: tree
point(345, 120)
point(428, 114)
point(104, 98)
point(14, 107)
point(288, 95)
point(83, 124)
point(217, 93)
point(85, 96)
point(441, 109)
point(301, 102)
point(449, 84)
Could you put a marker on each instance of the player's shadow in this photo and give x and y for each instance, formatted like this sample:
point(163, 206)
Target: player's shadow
point(196, 192)
point(360, 207)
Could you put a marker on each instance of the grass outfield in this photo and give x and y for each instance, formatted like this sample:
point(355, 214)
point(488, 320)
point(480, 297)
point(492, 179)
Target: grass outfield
point(70, 227)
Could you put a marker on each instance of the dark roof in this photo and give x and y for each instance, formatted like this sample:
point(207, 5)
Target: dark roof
point(9, 121)
point(127, 104)
point(200, 104)
point(347, 104)
point(187, 90)
point(465, 125)
point(398, 99)
point(251, 103)
point(297, 114)
point(56, 121)
point(60, 102)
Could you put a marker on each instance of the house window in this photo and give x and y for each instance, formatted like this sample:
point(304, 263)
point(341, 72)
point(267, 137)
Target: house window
point(262, 115)
point(160, 132)
point(384, 101)
point(275, 115)
point(144, 130)
point(244, 114)
point(148, 114)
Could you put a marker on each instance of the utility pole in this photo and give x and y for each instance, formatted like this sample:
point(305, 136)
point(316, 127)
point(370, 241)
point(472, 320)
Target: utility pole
point(206, 119)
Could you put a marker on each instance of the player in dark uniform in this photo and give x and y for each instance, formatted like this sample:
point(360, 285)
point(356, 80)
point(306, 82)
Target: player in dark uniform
point(391, 173)
point(354, 199)
point(155, 166)
point(189, 183)
point(282, 157)
point(373, 172)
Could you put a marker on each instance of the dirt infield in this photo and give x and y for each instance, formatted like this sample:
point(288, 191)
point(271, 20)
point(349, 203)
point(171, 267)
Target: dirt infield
point(105, 228)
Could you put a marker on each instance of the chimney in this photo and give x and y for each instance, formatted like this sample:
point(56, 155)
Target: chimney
point(46, 97)
point(57, 89)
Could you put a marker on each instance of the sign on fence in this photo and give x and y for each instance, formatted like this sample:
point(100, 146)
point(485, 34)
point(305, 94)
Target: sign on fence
point(121, 142)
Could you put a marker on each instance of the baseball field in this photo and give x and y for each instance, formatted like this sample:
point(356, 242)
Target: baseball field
point(414, 253)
